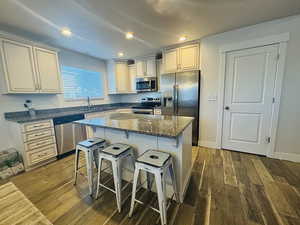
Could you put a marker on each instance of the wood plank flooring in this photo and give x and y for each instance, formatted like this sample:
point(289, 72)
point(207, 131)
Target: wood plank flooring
point(226, 188)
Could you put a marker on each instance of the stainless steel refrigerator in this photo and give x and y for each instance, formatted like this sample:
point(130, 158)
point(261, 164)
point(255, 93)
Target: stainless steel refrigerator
point(180, 96)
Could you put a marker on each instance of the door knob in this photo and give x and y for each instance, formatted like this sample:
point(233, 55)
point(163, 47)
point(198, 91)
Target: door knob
point(227, 108)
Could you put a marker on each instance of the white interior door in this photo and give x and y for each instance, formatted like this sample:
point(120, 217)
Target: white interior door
point(248, 102)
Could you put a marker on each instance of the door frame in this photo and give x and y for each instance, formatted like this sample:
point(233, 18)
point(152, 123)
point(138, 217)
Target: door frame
point(281, 40)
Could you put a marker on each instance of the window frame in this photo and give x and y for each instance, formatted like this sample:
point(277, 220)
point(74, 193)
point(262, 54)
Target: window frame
point(82, 99)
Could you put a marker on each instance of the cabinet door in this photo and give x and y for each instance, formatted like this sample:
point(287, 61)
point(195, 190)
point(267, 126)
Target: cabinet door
point(47, 70)
point(19, 67)
point(132, 76)
point(151, 67)
point(122, 80)
point(170, 60)
point(189, 57)
point(159, 72)
point(140, 68)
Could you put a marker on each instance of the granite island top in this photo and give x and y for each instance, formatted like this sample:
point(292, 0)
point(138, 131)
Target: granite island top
point(156, 125)
point(23, 116)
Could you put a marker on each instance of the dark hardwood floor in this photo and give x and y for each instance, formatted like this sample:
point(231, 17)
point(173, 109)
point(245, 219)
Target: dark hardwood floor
point(227, 188)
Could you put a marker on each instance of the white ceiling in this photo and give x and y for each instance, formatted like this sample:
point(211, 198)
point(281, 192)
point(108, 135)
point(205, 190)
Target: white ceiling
point(99, 25)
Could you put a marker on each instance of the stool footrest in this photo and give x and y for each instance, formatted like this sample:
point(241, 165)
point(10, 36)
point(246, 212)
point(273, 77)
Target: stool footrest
point(150, 207)
point(108, 188)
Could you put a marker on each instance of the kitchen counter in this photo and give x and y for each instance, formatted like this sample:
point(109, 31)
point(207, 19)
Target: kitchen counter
point(157, 125)
point(23, 116)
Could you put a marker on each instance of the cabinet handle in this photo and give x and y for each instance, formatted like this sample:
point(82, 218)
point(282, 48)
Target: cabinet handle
point(40, 134)
point(41, 155)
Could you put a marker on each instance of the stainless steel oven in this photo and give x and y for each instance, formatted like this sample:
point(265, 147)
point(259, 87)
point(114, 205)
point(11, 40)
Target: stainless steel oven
point(146, 84)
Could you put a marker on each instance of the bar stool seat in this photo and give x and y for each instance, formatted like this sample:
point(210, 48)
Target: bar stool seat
point(116, 149)
point(90, 147)
point(154, 158)
point(157, 163)
point(91, 142)
point(115, 154)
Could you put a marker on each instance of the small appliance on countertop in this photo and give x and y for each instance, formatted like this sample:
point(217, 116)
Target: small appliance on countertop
point(148, 106)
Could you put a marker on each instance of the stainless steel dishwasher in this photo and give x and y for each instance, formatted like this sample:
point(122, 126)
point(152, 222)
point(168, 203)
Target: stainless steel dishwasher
point(68, 134)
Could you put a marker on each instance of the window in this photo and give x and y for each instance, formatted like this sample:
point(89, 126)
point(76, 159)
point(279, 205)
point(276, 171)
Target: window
point(80, 83)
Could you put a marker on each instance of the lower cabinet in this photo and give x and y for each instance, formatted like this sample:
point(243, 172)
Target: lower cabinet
point(36, 142)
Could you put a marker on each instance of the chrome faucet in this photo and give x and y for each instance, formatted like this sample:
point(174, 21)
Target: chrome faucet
point(89, 102)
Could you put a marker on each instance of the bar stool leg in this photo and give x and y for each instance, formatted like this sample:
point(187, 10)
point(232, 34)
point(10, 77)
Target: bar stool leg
point(173, 178)
point(161, 198)
point(149, 180)
point(135, 182)
point(164, 189)
point(99, 175)
point(117, 180)
point(89, 170)
point(76, 165)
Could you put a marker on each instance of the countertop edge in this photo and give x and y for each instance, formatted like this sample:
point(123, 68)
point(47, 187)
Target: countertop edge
point(135, 131)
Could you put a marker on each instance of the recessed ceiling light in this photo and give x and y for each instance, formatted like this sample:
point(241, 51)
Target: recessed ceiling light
point(182, 38)
point(129, 35)
point(120, 54)
point(66, 32)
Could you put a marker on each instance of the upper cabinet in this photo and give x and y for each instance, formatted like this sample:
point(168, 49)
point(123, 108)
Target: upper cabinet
point(47, 70)
point(18, 67)
point(28, 69)
point(181, 59)
point(146, 67)
point(132, 76)
point(170, 58)
point(120, 78)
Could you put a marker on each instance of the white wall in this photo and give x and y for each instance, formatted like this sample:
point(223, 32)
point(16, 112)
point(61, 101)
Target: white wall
point(11, 103)
point(288, 136)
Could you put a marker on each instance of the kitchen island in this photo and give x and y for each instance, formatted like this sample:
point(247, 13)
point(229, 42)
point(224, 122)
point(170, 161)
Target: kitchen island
point(171, 134)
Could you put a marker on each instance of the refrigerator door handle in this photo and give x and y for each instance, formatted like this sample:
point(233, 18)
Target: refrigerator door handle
point(177, 98)
point(174, 99)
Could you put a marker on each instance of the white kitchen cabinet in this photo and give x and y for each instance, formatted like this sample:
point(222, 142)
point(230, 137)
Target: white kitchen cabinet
point(35, 141)
point(18, 67)
point(119, 79)
point(140, 68)
point(146, 67)
point(159, 72)
point(170, 58)
point(132, 76)
point(47, 70)
point(181, 59)
point(189, 57)
point(28, 69)
point(122, 77)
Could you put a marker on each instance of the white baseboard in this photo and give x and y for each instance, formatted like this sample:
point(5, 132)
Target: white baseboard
point(208, 144)
point(287, 156)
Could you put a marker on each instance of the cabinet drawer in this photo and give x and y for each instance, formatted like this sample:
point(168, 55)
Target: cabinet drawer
point(37, 126)
point(38, 134)
point(39, 143)
point(40, 155)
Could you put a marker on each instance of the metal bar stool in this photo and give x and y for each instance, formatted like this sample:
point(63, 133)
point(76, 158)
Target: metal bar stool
point(89, 147)
point(114, 153)
point(157, 163)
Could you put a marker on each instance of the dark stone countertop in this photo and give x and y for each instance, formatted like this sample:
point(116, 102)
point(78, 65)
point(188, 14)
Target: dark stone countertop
point(23, 116)
point(157, 125)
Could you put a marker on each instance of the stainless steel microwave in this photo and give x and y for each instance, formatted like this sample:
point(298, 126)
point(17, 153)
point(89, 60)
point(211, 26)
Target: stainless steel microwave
point(146, 84)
